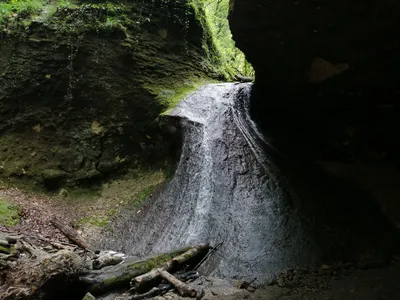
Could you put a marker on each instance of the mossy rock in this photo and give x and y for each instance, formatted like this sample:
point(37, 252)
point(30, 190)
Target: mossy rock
point(52, 178)
point(6, 250)
point(89, 296)
point(8, 214)
point(83, 85)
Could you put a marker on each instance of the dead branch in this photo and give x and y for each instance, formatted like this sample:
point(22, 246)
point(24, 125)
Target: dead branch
point(183, 289)
point(175, 263)
point(70, 233)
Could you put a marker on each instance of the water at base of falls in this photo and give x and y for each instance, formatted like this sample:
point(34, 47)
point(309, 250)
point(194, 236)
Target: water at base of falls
point(229, 188)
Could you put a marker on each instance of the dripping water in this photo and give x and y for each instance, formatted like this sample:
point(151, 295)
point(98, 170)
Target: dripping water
point(224, 189)
point(229, 188)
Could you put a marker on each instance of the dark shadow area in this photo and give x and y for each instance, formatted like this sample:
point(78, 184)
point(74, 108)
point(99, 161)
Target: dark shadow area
point(345, 220)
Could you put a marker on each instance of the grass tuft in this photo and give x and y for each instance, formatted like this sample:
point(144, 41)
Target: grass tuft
point(8, 214)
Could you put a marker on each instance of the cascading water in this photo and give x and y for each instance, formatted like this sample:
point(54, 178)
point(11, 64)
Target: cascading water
point(231, 187)
point(224, 190)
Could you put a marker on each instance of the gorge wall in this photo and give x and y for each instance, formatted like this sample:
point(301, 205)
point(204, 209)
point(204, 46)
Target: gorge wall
point(292, 43)
point(83, 84)
point(326, 84)
point(329, 68)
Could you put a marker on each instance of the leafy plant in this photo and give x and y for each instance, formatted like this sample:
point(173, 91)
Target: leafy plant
point(19, 8)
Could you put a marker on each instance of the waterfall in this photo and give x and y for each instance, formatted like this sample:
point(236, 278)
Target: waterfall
point(225, 190)
point(231, 187)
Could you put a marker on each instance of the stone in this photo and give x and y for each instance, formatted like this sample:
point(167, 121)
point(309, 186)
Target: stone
point(52, 176)
point(92, 174)
point(89, 296)
point(63, 193)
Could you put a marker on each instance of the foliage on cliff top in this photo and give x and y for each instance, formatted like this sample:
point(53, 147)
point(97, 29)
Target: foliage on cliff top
point(221, 49)
point(224, 59)
point(13, 8)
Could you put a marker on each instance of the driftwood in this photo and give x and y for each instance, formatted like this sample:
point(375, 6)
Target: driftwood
point(155, 291)
point(38, 272)
point(70, 233)
point(119, 276)
point(211, 252)
point(191, 275)
point(163, 288)
point(51, 272)
point(5, 247)
point(183, 289)
point(7, 243)
point(146, 279)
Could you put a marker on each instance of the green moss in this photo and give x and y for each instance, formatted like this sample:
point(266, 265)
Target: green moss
point(99, 220)
point(170, 95)
point(111, 281)
point(143, 195)
point(5, 250)
point(132, 270)
point(66, 17)
point(12, 9)
point(226, 60)
point(128, 61)
point(8, 214)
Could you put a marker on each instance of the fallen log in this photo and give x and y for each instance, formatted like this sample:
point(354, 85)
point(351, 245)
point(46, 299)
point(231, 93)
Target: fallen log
point(191, 275)
point(39, 274)
point(163, 288)
point(12, 239)
point(107, 258)
point(144, 280)
point(183, 289)
point(5, 246)
point(155, 291)
point(118, 276)
point(70, 233)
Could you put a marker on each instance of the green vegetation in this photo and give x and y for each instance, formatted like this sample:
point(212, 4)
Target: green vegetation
point(19, 8)
point(66, 16)
point(218, 43)
point(143, 195)
point(128, 270)
point(223, 59)
point(127, 192)
point(8, 214)
point(170, 96)
point(98, 221)
point(6, 250)
point(128, 61)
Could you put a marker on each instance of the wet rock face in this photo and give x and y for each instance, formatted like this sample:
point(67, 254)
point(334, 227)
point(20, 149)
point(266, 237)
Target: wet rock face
point(286, 40)
point(232, 187)
point(74, 98)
